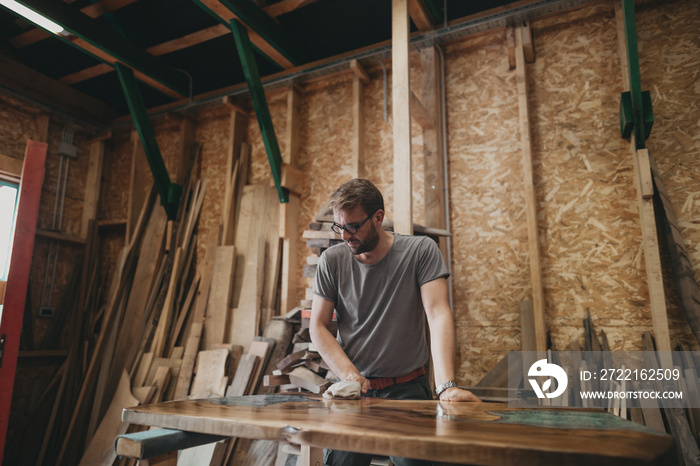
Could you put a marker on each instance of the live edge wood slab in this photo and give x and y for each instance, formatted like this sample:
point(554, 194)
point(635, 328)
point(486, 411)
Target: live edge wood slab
point(474, 433)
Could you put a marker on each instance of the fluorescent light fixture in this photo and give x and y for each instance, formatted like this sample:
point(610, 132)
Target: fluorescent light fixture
point(32, 16)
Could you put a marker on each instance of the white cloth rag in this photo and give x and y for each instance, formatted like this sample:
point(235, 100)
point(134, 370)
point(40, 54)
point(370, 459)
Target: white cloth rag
point(344, 391)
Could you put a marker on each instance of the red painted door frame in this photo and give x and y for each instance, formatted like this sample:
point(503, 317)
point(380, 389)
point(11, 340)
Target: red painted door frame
point(18, 276)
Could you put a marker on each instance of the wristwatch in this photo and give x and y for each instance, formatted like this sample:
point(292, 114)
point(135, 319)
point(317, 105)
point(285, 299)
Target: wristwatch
point(445, 386)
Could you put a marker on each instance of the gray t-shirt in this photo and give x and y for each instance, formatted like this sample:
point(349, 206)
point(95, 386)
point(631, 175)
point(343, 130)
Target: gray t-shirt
point(381, 319)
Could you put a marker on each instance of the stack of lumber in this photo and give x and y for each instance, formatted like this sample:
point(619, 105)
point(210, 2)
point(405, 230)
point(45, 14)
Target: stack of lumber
point(319, 237)
point(174, 325)
point(303, 369)
point(149, 319)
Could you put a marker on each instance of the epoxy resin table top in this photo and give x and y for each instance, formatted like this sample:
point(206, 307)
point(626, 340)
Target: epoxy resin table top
point(474, 433)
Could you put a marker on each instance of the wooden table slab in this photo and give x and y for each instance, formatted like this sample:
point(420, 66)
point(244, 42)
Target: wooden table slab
point(474, 433)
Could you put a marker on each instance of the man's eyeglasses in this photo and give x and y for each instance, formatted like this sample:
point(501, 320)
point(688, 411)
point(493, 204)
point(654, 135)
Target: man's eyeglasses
point(349, 227)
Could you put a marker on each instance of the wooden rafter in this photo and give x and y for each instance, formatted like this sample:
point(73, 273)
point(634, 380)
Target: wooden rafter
point(105, 45)
point(264, 33)
point(420, 15)
point(160, 49)
point(190, 40)
point(37, 86)
point(93, 11)
point(286, 6)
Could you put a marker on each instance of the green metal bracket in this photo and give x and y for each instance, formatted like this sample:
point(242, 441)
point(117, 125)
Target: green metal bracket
point(262, 112)
point(627, 115)
point(632, 108)
point(169, 191)
point(250, 14)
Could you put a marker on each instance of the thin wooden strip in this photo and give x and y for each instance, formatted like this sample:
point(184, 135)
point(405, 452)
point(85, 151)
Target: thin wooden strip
point(530, 200)
point(188, 361)
point(219, 305)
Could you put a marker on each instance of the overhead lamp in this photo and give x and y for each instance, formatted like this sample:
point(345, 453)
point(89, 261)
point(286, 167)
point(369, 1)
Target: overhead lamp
point(32, 16)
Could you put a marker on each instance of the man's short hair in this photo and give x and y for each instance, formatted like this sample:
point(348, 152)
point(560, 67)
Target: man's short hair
point(356, 192)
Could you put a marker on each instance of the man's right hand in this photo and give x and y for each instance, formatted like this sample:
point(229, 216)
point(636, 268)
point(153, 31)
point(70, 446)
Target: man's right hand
point(357, 377)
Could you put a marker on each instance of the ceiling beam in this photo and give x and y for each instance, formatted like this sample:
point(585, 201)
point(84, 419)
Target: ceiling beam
point(265, 34)
point(421, 15)
point(160, 49)
point(286, 6)
point(38, 87)
point(107, 46)
point(469, 25)
point(190, 40)
point(94, 10)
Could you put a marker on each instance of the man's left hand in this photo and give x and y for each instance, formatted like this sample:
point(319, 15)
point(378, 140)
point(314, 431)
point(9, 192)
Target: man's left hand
point(458, 394)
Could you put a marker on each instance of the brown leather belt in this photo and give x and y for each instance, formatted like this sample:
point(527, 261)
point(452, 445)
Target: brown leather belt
point(380, 383)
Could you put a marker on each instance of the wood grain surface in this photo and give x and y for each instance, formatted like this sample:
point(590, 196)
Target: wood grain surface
point(475, 433)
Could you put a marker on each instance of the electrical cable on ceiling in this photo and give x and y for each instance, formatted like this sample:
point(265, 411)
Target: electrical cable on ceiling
point(189, 76)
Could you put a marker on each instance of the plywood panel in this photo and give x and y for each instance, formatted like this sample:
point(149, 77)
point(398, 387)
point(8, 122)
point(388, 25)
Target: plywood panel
point(585, 187)
point(487, 217)
point(670, 72)
point(259, 171)
point(212, 133)
point(16, 126)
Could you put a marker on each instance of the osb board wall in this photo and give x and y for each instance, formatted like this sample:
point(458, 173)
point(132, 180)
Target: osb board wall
point(490, 272)
point(670, 69)
point(592, 255)
point(116, 182)
point(590, 239)
point(212, 134)
point(17, 125)
point(53, 286)
point(591, 216)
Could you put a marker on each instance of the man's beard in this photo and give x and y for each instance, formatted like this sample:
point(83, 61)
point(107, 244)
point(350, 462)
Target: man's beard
point(367, 245)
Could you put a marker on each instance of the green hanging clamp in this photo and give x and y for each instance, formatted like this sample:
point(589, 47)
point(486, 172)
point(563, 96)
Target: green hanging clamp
point(169, 192)
point(636, 113)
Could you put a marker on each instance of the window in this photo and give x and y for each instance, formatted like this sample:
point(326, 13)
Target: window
point(8, 214)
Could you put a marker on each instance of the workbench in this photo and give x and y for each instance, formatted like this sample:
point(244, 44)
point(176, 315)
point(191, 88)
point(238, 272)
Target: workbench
point(473, 433)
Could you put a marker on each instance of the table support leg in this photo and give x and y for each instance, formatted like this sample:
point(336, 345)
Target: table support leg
point(311, 456)
point(167, 459)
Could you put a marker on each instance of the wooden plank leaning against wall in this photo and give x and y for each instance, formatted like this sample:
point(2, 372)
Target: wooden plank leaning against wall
point(289, 212)
point(530, 201)
point(650, 243)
